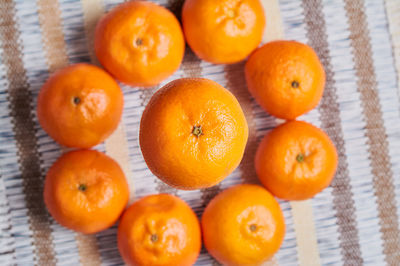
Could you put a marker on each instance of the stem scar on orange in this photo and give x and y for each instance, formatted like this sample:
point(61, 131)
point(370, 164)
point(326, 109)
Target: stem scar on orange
point(159, 230)
point(85, 191)
point(223, 31)
point(243, 225)
point(80, 106)
point(286, 78)
point(140, 43)
point(296, 160)
point(193, 133)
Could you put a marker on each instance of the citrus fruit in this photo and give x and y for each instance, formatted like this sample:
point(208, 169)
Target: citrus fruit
point(140, 43)
point(223, 31)
point(193, 133)
point(296, 160)
point(243, 225)
point(159, 230)
point(286, 78)
point(80, 106)
point(85, 191)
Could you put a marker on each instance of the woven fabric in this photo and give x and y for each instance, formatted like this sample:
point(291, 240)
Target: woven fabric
point(355, 221)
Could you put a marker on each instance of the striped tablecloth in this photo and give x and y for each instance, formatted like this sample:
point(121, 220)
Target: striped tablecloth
point(353, 222)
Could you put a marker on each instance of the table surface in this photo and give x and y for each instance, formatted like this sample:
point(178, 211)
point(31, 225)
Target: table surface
point(355, 221)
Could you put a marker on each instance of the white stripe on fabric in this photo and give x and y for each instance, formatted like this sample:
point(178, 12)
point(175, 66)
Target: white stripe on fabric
point(388, 82)
point(23, 250)
point(37, 73)
point(294, 26)
point(328, 235)
point(353, 132)
point(350, 112)
point(74, 31)
point(352, 124)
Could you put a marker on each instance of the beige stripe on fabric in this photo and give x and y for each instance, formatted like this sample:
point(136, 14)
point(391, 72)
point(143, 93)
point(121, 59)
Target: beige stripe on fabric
point(306, 236)
point(331, 123)
point(20, 104)
point(375, 130)
point(274, 27)
point(92, 12)
point(393, 16)
point(88, 250)
point(116, 145)
point(52, 34)
point(57, 58)
point(303, 222)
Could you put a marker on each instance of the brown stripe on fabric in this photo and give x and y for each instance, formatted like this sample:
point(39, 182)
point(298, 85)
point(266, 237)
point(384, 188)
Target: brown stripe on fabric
point(207, 194)
point(374, 130)
point(343, 202)
point(216, 263)
point(88, 249)
point(236, 83)
point(164, 188)
point(191, 64)
point(175, 6)
point(20, 104)
point(52, 34)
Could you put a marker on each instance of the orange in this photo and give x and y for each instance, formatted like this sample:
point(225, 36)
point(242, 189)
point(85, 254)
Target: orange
point(243, 225)
point(286, 78)
point(159, 230)
point(85, 191)
point(140, 43)
point(80, 106)
point(193, 133)
point(296, 160)
point(223, 31)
